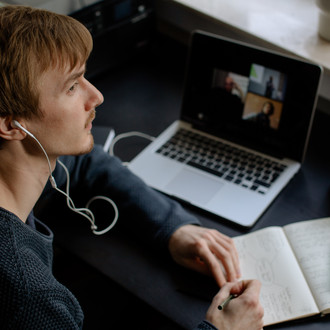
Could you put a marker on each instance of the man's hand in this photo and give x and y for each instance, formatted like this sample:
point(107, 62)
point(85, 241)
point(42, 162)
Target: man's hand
point(206, 251)
point(243, 312)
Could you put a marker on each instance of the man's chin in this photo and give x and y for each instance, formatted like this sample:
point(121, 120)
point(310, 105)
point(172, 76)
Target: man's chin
point(88, 149)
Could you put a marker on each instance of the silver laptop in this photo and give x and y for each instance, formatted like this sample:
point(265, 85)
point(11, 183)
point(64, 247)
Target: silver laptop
point(243, 130)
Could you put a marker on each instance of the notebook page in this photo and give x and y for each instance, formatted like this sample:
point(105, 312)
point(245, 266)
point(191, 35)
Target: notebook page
point(267, 256)
point(311, 243)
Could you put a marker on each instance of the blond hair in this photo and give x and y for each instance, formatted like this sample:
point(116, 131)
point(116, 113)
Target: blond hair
point(31, 42)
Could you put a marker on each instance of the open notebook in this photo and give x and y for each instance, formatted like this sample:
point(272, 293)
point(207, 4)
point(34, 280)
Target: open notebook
point(242, 133)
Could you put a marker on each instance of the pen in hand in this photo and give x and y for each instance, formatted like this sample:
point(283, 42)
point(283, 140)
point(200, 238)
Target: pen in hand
point(226, 302)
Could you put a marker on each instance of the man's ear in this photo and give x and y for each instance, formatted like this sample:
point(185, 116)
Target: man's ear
point(9, 131)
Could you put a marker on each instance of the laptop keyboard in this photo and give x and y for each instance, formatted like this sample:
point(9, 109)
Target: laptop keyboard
point(238, 166)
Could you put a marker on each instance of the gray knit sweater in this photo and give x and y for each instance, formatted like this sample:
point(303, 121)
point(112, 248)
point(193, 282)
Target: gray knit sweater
point(30, 296)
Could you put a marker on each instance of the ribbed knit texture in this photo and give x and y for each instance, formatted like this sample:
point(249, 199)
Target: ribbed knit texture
point(205, 325)
point(30, 296)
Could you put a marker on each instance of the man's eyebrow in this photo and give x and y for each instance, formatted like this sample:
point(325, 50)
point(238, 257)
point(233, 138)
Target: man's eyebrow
point(74, 76)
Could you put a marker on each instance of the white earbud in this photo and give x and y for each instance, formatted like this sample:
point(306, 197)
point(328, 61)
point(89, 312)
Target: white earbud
point(16, 124)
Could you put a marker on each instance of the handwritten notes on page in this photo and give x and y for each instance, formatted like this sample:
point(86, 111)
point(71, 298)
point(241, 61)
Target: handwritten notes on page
point(267, 255)
point(310, 241)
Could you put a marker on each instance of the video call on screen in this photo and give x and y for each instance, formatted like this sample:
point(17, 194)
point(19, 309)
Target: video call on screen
point(257, 98)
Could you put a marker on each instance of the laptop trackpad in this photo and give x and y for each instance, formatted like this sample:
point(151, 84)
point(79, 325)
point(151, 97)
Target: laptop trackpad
point(193, 187)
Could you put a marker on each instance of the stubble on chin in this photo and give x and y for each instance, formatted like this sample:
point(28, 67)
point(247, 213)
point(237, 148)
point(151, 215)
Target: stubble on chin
point(89, 148)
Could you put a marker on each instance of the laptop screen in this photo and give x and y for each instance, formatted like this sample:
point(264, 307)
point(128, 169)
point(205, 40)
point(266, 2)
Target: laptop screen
point(251, 96)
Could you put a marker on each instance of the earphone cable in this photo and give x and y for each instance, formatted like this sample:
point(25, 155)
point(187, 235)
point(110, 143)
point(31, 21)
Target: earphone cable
point(85, 212)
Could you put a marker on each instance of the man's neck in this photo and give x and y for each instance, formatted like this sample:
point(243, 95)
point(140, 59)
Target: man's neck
point(22, 180)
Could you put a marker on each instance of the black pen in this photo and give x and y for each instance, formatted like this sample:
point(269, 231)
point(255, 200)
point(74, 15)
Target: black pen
point(225, 303)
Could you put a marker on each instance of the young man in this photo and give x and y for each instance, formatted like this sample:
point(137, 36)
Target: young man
point(46, 111)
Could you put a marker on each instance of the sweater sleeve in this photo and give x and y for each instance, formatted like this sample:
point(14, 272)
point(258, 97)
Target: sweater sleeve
point(205, 325)
point(141, 208)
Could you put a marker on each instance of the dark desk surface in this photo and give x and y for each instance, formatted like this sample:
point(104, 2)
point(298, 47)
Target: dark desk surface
point(145, 96)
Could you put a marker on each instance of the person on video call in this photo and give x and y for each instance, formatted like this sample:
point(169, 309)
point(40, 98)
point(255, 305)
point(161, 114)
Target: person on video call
point(263, 117)
point(226, 101)
point(46, 110)
point(269, 87)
